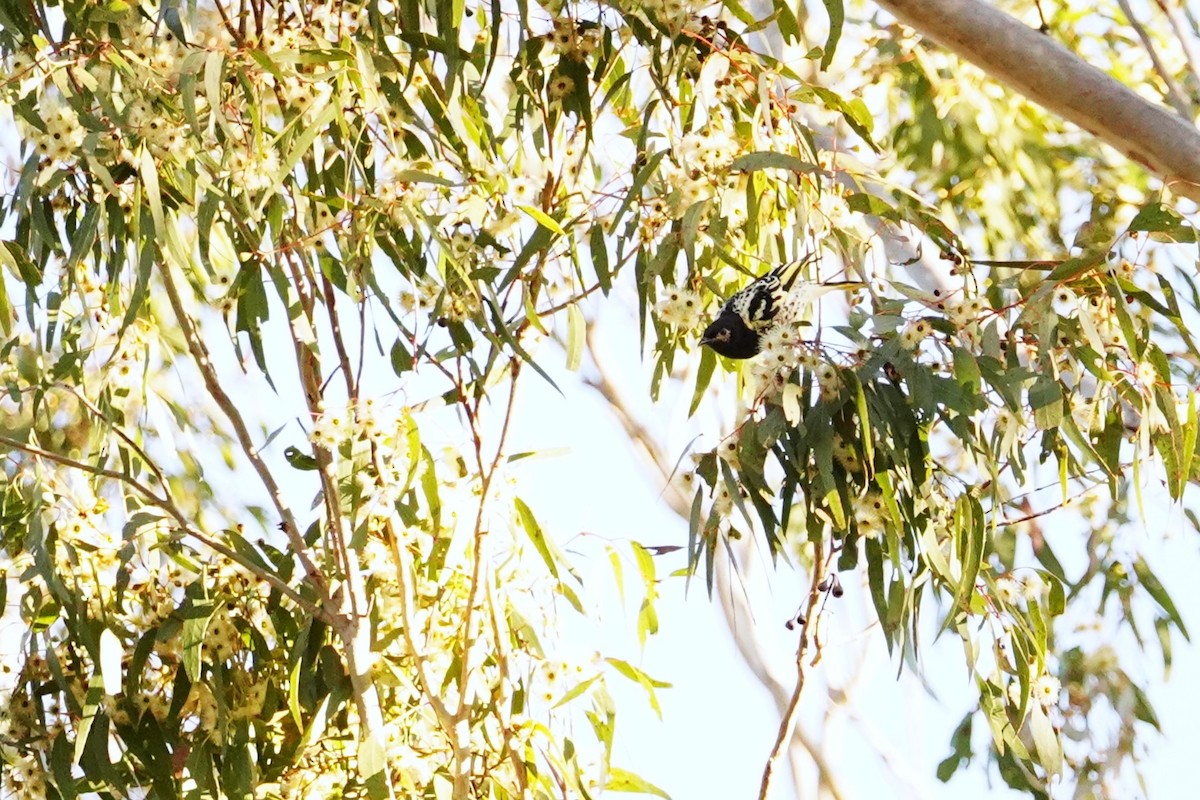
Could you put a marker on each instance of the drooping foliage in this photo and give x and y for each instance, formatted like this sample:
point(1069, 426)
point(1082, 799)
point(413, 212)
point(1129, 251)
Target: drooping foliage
point(274, 270)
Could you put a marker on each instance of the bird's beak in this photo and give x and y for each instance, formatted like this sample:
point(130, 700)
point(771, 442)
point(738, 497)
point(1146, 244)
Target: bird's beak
point(704, 340)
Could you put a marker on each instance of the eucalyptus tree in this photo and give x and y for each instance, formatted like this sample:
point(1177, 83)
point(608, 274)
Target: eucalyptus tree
point(274, 270)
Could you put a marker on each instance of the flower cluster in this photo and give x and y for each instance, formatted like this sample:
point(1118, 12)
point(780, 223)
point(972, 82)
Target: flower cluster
point(963, 311)
point(914, 333)
point(701, 159)
point(63, 135)
point(680, 308)
point(574, 39)
point(126, 572)
point(846, 454)
point(672, 14)
point(251, 168)
point(1044, 690)
point(870, 515)
point(781, 352)
point(1010, 591)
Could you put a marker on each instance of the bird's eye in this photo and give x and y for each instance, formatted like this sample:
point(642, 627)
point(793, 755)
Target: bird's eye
point(724, 335)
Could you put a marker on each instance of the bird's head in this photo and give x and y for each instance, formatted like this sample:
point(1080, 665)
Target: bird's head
point(730, 337)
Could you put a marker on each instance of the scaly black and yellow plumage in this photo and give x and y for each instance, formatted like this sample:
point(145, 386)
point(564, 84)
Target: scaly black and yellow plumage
point(737, 331)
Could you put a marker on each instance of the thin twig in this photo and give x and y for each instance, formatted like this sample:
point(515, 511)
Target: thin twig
point(1174, 95)
point(791, 716)
point(404, 568)
point(238, 36)
point(750, 648)
point(486, 476)
point(1186, 42)
point(335, 326)
point(500, 653)
point(308, 369)
point(353, 626)
point(125, 437)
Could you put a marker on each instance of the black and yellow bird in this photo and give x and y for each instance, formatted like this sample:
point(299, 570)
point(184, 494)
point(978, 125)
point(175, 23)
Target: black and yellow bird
point(738, 329)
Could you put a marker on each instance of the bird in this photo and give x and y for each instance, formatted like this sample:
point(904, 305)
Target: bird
point(738, 328)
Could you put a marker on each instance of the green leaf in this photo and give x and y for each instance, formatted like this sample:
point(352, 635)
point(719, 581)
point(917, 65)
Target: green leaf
point(602, 723)
point(84, 237)
point(865, 203)
point(7, 315)
point(503, 333)
point(13, 256)
point(299, 146)
point(535, 534)
point(1074, 267)
point(645, 681)
point(91, 708)
point(694, 520)
point(784, 17)
point(598, 247)
point(1190, 429)
point(708, 363)
point(866, 432)
point(543, 219)
point(576, 337)
point(1046, 401)
point(878, 587)
point(576, 691)
point(1157, 218)
point(760, 160)
point(147, 257)
point(1057, 598)
point(969, 544)
point(430, 488)
point(195, 623)
point(1150, 582)
point(149, 174)
point(960, 743)
point(647, 623)
point(620, 780)
point(316, 726)
point(635, 674)
point(1142, 709)
point(1045, 740)
point(837, 18)
point(966, 369)
point(372, 765)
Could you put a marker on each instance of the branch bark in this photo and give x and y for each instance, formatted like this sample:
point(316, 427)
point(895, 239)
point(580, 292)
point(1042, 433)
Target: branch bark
point(1049, 74)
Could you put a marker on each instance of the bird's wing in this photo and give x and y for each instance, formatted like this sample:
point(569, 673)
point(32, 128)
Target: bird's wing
point(809, 293)
point(758, 303)
point(800, 299)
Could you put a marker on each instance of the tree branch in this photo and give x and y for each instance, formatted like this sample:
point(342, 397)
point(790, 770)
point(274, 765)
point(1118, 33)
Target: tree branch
point(1049, 74)
point(166, 504)
point(199, 353)
point(1186, 42)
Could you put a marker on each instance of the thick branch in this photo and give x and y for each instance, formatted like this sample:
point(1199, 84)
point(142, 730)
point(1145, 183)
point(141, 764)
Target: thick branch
point(1052, 76)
